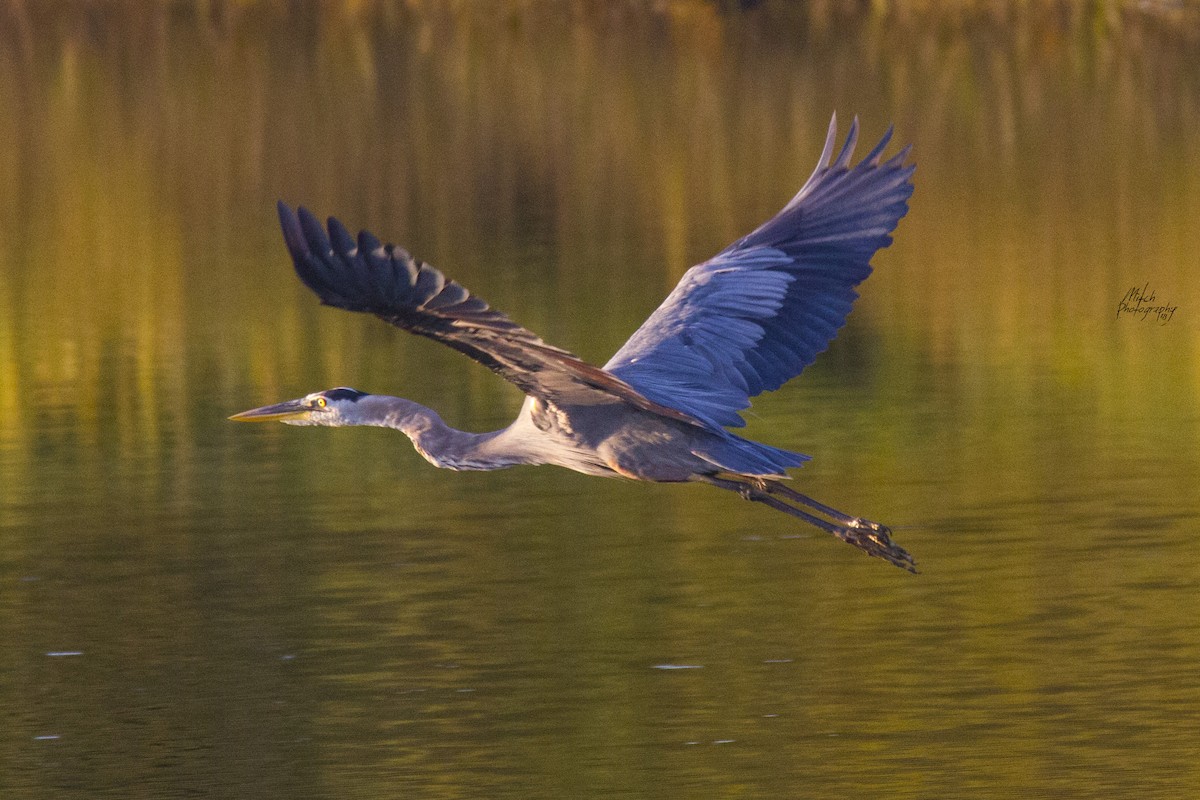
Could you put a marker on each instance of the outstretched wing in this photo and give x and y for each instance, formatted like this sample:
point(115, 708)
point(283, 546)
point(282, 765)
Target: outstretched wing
point(365, 275)
point(752, 317)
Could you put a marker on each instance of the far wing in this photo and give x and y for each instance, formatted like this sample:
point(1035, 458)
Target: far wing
point(752, 317)
point(365, 275)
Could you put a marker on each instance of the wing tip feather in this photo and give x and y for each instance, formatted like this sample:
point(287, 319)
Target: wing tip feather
point(843, 159)
point(830, 142)
point(873, 157)
point(293, 233)
point(343, 243)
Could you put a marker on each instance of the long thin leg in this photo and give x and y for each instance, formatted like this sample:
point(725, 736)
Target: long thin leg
point(871, 537)
point(774, 487)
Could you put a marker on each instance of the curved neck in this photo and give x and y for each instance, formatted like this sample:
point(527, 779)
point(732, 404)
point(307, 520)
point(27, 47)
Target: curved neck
point(440, 444)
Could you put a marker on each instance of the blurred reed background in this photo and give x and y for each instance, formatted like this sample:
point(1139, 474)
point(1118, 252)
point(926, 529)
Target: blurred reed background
point(138, 138)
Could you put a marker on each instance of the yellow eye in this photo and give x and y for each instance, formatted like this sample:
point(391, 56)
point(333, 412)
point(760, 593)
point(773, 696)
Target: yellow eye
point(320, 402)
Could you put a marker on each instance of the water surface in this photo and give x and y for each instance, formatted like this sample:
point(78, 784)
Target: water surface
point(191, 607)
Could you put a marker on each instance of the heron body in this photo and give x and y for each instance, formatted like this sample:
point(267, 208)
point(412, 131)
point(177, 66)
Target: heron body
point(746, 321)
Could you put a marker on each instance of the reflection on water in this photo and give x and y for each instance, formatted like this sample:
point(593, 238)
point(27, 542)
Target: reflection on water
point(311, 612)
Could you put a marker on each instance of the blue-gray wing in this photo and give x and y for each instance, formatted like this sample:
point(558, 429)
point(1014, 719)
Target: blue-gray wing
point(384, 280)
point(754, 316)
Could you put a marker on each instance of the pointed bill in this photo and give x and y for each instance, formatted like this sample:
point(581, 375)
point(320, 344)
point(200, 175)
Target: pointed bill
point(292, 409)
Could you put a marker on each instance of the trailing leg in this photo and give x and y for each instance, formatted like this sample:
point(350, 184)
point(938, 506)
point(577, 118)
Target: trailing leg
point(871, 537)
point(777, 488)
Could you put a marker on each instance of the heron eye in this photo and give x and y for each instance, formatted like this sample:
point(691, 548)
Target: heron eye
point(320, 402)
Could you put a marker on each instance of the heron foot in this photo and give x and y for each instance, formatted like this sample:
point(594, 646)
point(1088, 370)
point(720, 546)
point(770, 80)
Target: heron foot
point(876, 540)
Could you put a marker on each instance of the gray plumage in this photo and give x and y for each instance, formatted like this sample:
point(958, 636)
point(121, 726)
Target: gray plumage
point(746, 321)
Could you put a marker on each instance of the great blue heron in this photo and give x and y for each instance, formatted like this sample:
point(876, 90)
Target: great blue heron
point(744, 322)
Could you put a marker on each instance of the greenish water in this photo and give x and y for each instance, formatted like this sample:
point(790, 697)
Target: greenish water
point(191, 607)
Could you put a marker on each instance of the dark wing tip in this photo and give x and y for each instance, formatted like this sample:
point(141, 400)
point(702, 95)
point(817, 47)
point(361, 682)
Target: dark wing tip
point(293, 234)
point(343, 242)
point(315, 240)
point(368, 242)
point(362, 275)
point(310, 249)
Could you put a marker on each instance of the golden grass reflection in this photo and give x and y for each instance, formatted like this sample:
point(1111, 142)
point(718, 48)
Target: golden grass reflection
point(1057, 166)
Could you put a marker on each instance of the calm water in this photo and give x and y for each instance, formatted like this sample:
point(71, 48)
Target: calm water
point(194, 608)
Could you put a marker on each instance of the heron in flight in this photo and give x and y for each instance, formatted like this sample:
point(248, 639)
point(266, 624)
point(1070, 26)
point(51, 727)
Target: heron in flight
point(746, 321)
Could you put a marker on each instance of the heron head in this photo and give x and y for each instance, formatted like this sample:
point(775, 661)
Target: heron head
point(333, 407)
